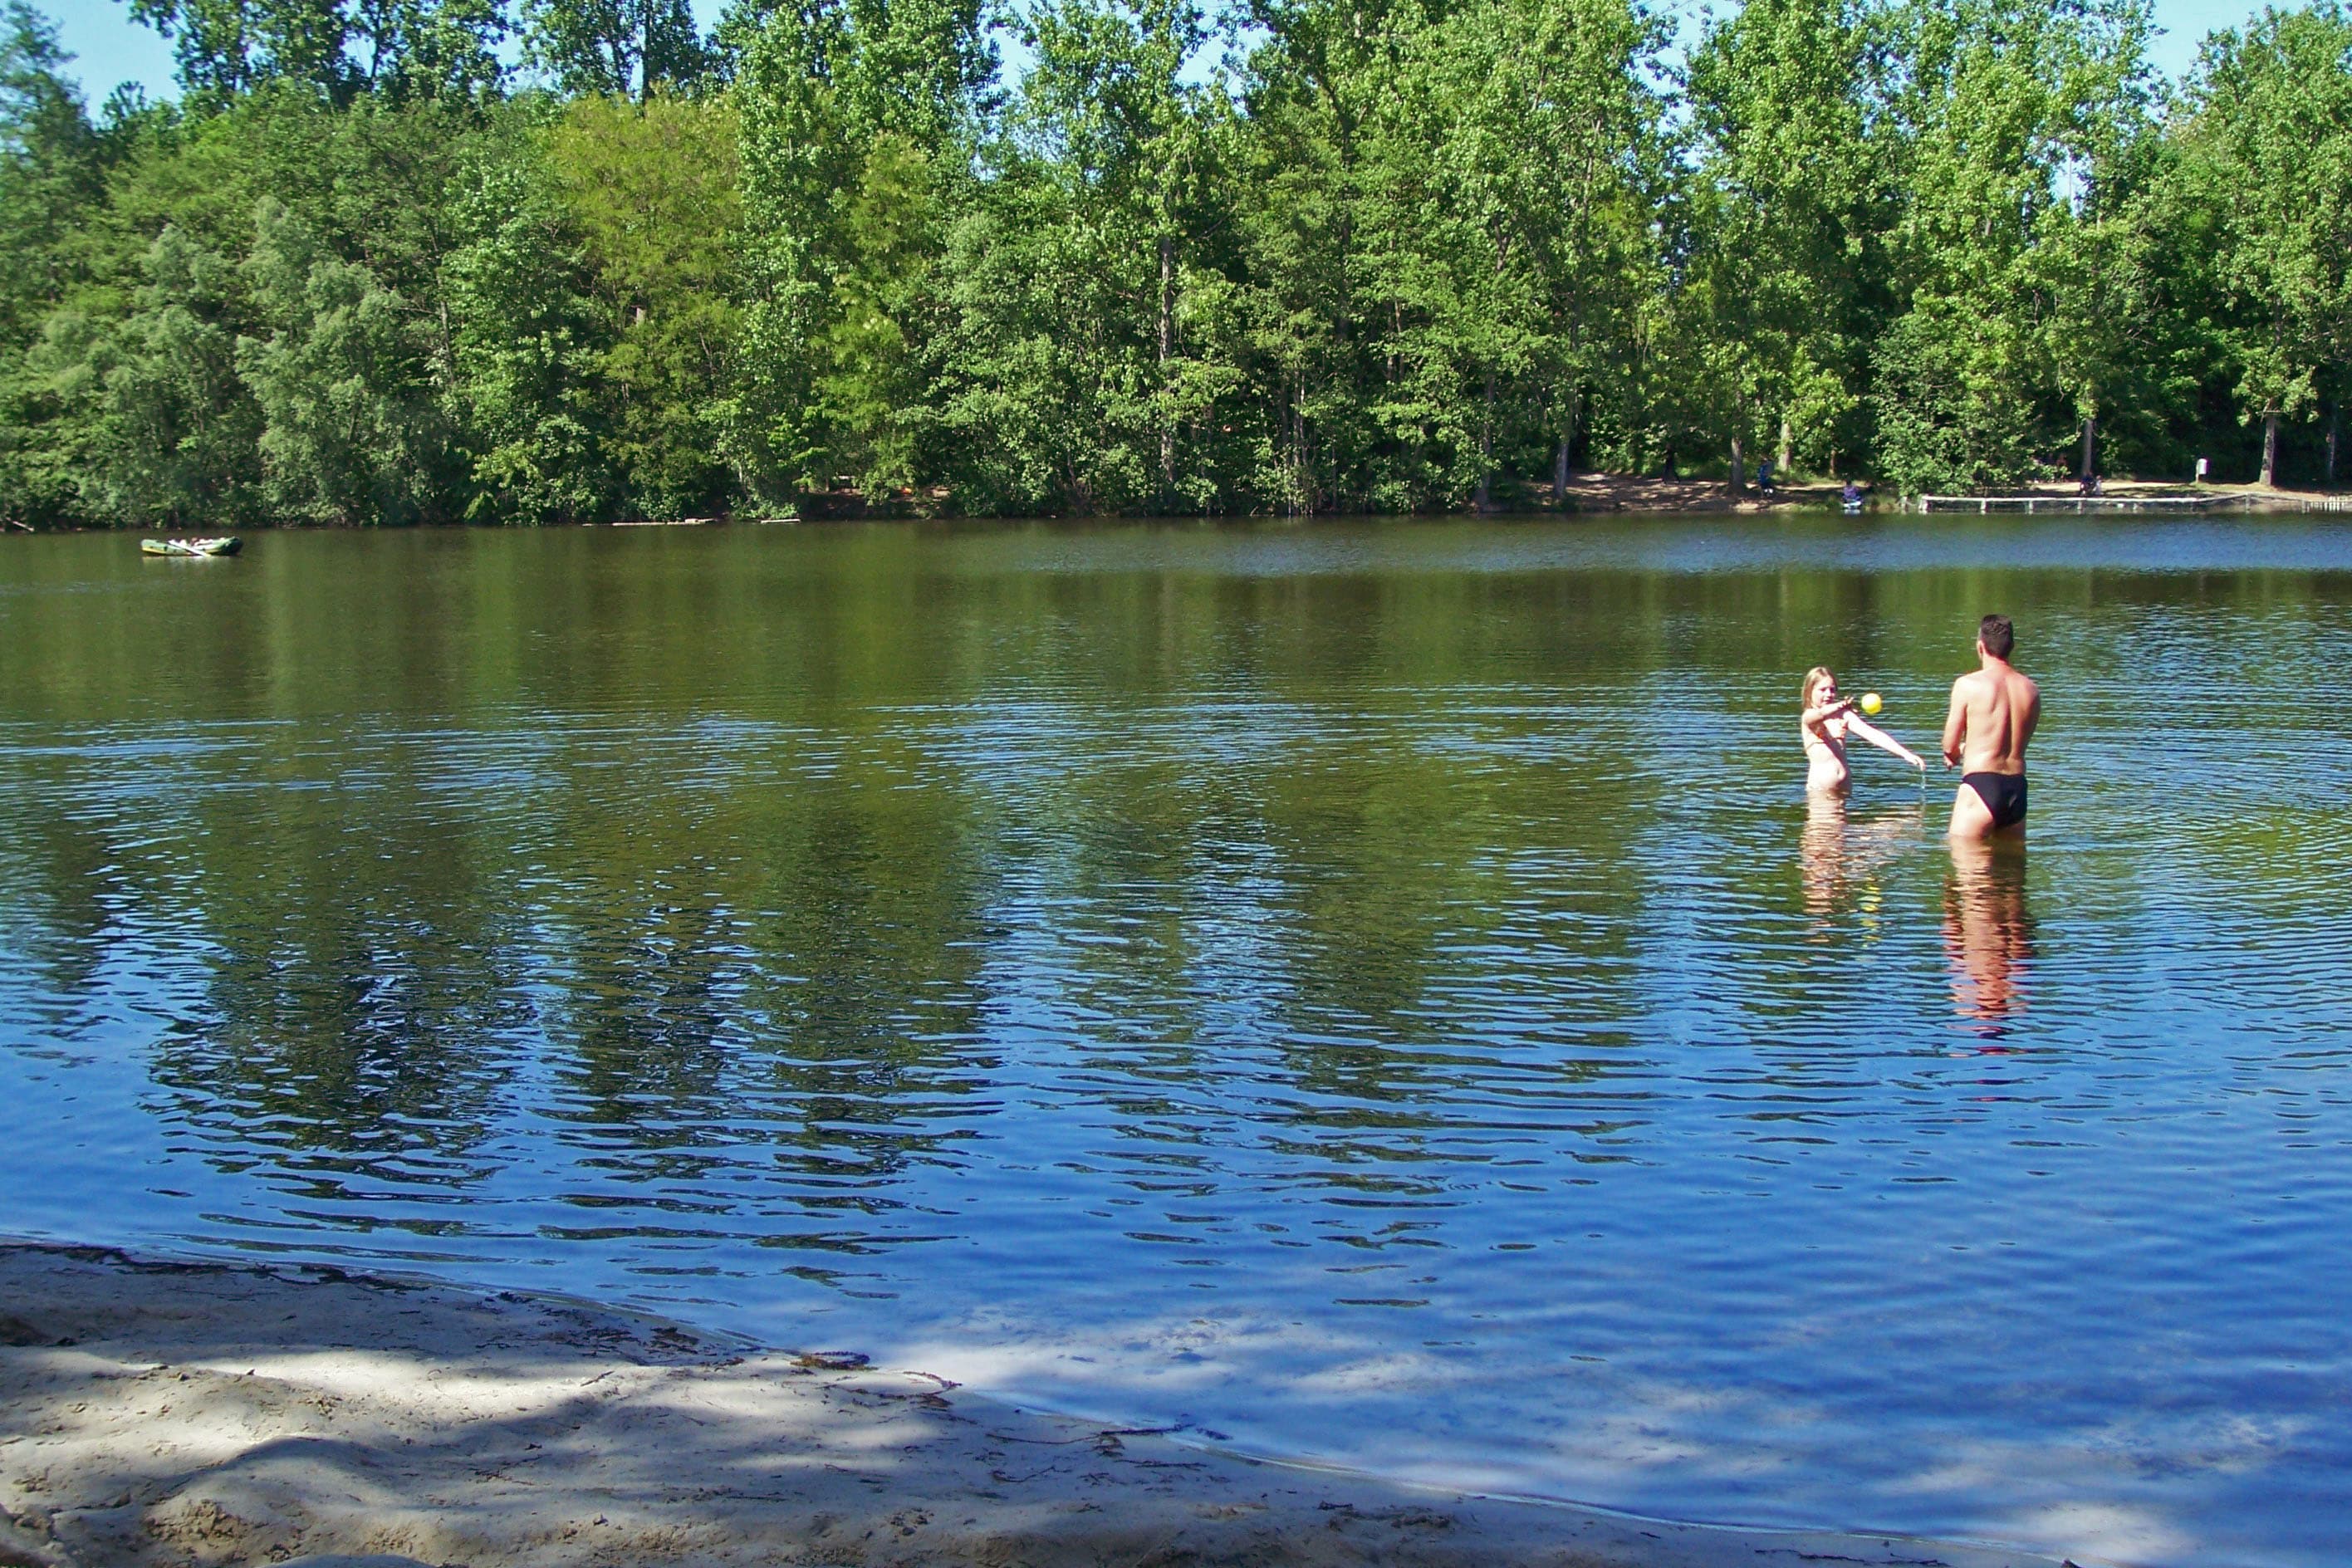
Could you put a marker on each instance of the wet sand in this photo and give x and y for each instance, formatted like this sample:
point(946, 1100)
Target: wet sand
point(180, 1413)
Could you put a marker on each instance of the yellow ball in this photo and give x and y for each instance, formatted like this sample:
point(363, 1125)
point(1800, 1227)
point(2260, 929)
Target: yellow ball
point(1870, 702)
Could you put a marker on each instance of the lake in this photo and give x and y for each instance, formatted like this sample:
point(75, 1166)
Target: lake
point(1371, 992)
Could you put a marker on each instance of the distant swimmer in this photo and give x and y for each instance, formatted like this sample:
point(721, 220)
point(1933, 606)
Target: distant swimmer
point(1994, 713)
point(1827, 720)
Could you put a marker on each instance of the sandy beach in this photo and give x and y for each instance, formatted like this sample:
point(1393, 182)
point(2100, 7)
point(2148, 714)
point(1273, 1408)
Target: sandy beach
point(170, 1411)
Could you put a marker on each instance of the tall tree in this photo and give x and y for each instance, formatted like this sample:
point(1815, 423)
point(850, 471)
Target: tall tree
point(1083, 358)
point(2099, 276)
point(858, 121)
point(1332, 421)
point(1448, 221)
point(51, 169)
point(652, 190)
point(1787, 214)
point(620, 48)
point(1999, 102)
point(2263, 174)
point(1514, 170)
point(528, 342)
point(340, 48)
point(162, 429)
point(340, 374)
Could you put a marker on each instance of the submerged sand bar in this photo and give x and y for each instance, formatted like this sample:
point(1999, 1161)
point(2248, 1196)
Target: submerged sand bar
point(179, 1412)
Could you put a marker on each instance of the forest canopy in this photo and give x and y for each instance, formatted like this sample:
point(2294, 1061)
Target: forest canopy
point(392, 261)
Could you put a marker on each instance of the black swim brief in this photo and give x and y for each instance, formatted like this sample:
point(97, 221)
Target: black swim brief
point(2003, 795)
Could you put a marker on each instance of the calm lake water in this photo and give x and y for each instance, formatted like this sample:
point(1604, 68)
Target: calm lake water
point(1372, 991)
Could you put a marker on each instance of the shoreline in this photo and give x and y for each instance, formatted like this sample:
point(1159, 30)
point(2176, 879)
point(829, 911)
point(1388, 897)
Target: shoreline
point(1588, 494)
point(190, 1412)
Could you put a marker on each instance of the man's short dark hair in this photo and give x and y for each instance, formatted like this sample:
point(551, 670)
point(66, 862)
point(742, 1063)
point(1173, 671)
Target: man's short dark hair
point(1997, 634)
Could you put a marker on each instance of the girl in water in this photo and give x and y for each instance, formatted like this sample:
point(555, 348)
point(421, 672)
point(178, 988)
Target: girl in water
point(1828, 720)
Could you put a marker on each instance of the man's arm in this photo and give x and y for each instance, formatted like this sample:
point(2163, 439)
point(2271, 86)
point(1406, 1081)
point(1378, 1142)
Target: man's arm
point(1956, 724)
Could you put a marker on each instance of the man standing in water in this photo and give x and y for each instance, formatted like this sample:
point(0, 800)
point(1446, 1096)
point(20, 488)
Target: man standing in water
point(1994, 713)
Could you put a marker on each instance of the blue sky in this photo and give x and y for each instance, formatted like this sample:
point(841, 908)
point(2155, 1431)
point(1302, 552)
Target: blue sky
point(110, 49)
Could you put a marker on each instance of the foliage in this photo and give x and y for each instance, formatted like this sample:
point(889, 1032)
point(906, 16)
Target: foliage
point(527, 344)
point(1385, 255)
point(618, 49)
point(858, 121)
point(652, 190)
point(2004, 102)
point(1789, 210)
point(340, 377)
point(338, 47)
point(2262, 173)
point(167, 432)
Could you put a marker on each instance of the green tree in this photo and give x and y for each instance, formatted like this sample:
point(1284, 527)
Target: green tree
point(528, 345)
point(858, 122)
point(1786, 216)
point(2001, 102)
point(340, 48)
point(52, 170)
point(349, 432)
point(424, 49)
point(618, 49)
point(1576, 80)
point(1084, 361)
point(2262, 174)
point(2099, 275)
point(1449, 223)
point(652, 189)
point(52, 182)
point(160, 429)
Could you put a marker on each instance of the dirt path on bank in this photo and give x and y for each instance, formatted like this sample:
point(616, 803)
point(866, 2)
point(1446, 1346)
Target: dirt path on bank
point(160, 1412)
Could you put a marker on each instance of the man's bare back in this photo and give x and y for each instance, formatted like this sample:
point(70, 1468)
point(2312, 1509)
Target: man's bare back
point(1993, 712)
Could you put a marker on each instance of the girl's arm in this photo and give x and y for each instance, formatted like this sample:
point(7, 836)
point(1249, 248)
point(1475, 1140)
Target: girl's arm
point(1883, 741)
point(1814, 717)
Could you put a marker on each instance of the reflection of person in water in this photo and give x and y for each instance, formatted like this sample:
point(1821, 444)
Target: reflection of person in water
point(1821, 851)
point(1988, 933)
point(1835, 862)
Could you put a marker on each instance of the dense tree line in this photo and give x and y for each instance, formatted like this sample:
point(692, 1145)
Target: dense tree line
point(1393, 255)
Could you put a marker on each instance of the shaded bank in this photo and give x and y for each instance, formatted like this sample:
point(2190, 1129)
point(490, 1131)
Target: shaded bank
point(197, 1413)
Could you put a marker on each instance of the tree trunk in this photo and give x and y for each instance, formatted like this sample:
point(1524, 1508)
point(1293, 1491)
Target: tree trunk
point(1304, 502)
point(2270, 448)
point(2090, 447)
point(1738, 468)
point(1487, 446)
point(1167, 353)
point(2335, 418)
point(1559, 458)
point(1781, 470)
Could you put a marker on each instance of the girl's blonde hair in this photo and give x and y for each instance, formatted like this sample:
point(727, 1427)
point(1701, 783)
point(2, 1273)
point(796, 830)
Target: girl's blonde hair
point(1813, 679)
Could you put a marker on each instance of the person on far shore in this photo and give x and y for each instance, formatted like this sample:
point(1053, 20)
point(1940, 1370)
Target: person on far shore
point(1828, 719)
point(1994, 710)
